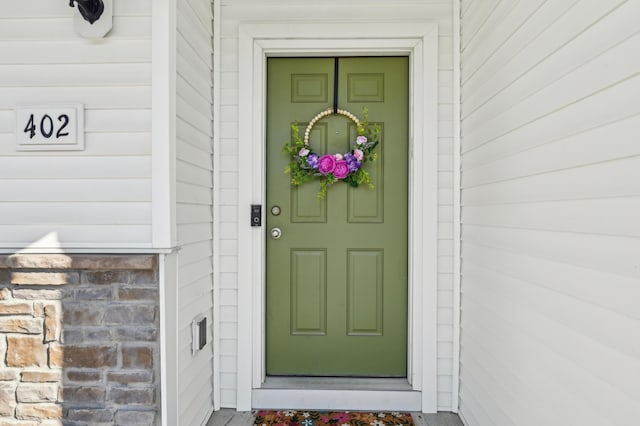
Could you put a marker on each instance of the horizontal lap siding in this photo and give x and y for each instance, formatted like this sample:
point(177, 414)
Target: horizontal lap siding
point(440, 12)
point(99, 197)
point(194, 204)
point(550, 207)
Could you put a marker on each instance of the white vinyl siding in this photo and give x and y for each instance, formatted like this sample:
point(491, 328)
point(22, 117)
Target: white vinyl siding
point(99, 197)
point(194, 197)
point(236, 11)
point(550, 206)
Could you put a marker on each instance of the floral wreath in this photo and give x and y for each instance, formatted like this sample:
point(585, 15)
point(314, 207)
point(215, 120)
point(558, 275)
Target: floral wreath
point(306, 165)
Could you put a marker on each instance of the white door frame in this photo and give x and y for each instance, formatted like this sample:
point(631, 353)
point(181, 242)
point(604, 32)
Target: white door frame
point(418, 41)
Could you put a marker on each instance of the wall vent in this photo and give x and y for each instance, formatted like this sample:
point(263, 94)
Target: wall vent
point(198, 333)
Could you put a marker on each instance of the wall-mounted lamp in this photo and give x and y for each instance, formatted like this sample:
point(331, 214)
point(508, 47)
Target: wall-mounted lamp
point(91, 10)
point(94, 18)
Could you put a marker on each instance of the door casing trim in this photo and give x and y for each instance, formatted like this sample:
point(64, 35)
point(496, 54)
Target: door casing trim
point(418, 41)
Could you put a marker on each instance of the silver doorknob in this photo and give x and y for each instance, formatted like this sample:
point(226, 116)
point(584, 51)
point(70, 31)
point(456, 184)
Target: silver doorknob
point(276, 233)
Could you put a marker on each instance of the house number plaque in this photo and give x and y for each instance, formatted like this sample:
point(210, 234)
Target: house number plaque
point(54, 128)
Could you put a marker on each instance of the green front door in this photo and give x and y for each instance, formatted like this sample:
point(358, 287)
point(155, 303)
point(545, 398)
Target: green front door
point(337, 277)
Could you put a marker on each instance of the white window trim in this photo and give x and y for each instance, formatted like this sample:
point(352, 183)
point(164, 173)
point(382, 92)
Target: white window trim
point(419, 41)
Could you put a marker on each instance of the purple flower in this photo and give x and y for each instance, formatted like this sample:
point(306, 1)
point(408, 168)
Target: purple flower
point(312, 161)
point(361, 140)
point(303, 152)
point(341, 169)
point(352, 162)
point(326, 164)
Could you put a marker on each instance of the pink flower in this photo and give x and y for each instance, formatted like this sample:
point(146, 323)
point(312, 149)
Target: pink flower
point(341, 417)
point(339, 156)
point(358, 154)
point(361, 139)
point(326, 164)
point(341, 169)
point(303, 152)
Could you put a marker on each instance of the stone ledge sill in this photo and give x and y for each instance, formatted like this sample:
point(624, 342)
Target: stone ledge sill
point(90, 261)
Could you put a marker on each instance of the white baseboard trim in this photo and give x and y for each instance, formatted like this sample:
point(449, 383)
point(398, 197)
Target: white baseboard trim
point(355, 400)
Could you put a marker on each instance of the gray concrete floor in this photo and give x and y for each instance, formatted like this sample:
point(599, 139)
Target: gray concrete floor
point(228, 417)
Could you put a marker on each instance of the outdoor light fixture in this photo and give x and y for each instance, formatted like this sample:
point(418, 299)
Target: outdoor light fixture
point(94, 18)
point(91, 10)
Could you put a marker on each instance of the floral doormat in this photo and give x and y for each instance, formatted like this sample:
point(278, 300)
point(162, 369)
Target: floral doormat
point(330, 418)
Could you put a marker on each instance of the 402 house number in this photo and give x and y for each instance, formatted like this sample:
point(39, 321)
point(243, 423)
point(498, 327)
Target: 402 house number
point(47, 127)
point(50, 128)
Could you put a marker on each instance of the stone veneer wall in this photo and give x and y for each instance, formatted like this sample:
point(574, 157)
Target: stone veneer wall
point(79, 340)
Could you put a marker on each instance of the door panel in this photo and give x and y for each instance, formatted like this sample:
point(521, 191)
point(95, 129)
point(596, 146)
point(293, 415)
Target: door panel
point(308, 293)
point(337, 278)
point(364, 292)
